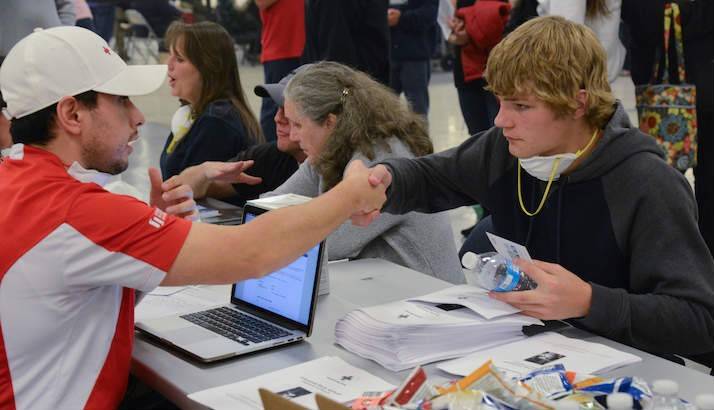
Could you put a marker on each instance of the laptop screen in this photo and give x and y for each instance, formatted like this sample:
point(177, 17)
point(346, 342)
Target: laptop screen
point(288, 291)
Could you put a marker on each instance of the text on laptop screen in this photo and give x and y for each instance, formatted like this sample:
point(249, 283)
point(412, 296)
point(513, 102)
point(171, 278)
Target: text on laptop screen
point(288, 291)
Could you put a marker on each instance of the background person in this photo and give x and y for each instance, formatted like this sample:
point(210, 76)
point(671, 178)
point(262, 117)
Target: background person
point(25, 17)
point(565, 174)
point(282, 38)
point(158, 13)
point(351, 32)
point(412, 29)
point(476, 29)
point(217, 122)
point(603, 18)
point(337, 115)
point(84, 15)
point(104, 14)
point(646, 22)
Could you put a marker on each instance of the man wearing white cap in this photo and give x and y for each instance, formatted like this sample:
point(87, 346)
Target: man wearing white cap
point(73, 253)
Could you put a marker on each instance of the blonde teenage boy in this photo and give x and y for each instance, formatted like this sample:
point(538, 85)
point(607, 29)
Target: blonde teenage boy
point(613, 229)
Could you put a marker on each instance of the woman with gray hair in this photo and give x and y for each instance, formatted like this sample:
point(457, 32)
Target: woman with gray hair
point(338, 114)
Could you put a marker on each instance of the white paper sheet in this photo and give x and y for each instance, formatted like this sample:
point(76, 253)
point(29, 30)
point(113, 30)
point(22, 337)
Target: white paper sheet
point(190, 299)
point(508, 248)
point(549, 348)
point(404, 313)
point(330, 376)
point(471, 297)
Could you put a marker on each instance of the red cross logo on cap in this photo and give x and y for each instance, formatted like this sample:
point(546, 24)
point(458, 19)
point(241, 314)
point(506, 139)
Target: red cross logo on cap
point(107, 51)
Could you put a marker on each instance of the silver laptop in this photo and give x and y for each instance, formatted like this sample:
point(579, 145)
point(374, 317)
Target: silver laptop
point(275, 310)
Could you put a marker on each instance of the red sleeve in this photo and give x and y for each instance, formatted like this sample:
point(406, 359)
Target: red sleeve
point(124, 224)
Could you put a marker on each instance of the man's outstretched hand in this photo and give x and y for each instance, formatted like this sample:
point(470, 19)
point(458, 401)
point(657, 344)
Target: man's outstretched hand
point(175, 201)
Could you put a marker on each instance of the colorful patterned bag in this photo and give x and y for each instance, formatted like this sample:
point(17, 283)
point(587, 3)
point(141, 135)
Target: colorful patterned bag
point(667, 111)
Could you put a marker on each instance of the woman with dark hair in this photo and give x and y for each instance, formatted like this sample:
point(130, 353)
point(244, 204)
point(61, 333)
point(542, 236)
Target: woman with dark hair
point(338, 114)
point(215, 122)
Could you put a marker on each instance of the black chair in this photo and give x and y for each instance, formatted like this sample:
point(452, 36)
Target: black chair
point(706, 359)
point(477, 241)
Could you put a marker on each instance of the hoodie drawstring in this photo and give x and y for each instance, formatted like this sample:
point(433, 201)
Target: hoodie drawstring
point(558, 218)
point(531, 217)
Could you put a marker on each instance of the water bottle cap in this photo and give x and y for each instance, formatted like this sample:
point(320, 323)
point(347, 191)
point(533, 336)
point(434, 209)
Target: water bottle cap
point(469, 260)
point(619, 401)
point(665, 387)
point(705, 401)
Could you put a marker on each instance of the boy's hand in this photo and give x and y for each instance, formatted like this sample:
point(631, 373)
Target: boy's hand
point(560, 293)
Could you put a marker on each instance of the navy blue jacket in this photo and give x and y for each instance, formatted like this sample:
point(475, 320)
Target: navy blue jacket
point(414, 35)
point(217, 135)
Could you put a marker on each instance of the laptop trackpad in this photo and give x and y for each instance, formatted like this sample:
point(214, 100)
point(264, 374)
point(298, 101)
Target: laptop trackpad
point(189, 335)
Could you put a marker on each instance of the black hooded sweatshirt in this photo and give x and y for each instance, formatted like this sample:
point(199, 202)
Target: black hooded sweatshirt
point(624, 221)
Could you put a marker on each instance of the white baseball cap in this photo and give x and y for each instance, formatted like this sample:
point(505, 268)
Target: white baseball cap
point(65, 61)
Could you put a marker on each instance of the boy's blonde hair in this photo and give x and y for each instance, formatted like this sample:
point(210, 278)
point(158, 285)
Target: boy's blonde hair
point(552, 59)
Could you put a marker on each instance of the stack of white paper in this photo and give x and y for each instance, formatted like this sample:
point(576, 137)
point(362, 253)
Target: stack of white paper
point(522, 357)
point(421, 330)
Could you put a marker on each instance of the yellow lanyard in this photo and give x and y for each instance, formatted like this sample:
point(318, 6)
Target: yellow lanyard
point(550, 180)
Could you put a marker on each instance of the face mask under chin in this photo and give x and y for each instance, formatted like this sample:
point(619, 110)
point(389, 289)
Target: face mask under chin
point(549, 168)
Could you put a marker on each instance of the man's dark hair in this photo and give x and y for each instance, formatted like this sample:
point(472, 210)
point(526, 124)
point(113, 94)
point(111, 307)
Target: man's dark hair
point(36, 127)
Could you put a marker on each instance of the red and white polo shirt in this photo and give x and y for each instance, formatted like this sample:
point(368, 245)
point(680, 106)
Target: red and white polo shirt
point(71, 255)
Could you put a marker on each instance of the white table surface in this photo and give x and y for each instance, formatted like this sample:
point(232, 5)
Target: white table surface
point(353, 284)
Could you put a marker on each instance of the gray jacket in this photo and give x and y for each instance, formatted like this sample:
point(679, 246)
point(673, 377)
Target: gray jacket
point(20, 17)
point(418, 241)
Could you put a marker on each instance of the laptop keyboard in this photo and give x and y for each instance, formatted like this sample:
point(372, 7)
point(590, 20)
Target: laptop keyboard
point(235, 325)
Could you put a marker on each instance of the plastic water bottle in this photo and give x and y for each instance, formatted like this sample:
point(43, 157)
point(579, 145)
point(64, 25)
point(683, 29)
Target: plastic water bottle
point(664, 396)
point(495, 272)
point(619, 401)
point(704, 402)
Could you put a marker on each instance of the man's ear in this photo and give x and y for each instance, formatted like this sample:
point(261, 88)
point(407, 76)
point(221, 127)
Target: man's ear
point(581, 98)
point(69, 115)
point(330, 121)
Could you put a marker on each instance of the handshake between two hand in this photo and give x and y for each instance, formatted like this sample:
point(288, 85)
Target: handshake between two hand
point(372, 184)
point(176, 195)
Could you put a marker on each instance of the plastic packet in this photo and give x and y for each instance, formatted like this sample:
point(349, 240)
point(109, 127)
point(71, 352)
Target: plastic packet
point(634, 386)
point(371, 400)
point(413, 390)
point(584, 401)
point(490, 380)
point(468, 400)
point(551, 381)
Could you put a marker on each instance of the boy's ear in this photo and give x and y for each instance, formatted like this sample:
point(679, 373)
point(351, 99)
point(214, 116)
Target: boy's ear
point(581, 99)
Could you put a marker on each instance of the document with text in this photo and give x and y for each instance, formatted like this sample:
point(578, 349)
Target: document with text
point(168, 302)
point(471, 297)
point(521, 357)
point(330, 376)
